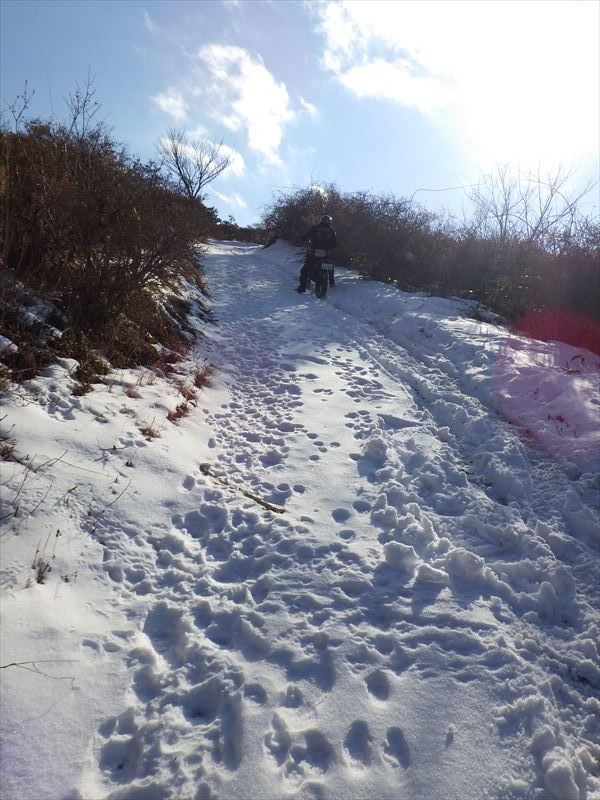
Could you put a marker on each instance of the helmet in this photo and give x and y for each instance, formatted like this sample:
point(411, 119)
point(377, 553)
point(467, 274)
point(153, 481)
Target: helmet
point(325, 220)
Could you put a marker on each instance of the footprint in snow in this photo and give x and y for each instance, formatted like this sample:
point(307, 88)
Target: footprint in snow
point(384, 643)
point(353, 587)
point(201, 704)
point(340, 514)
point(261, 588)
point(357, 743)
point(121, 758)
point(94, 646)
point(396, 748)
point(146, 683)
point(317, 754)
point(278, 740)
point(378, 684)
point(232, 731)
point(292, 697)
point(167, 631)
point(271, 457)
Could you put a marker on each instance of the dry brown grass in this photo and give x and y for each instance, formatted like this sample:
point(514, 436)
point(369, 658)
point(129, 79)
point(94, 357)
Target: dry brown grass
point(4, 378)
point(181, 410)
point(203, 376)
point(186, 391)
point(7, 447)
point(150, 431)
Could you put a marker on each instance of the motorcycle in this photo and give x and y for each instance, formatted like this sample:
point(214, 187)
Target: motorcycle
point(322, 272)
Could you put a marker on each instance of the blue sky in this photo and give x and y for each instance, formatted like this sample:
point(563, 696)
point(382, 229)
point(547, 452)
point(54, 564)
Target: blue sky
point(387, 97)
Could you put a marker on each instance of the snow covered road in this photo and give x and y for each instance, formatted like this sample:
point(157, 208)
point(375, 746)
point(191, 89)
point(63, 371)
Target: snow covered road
point(420, 622)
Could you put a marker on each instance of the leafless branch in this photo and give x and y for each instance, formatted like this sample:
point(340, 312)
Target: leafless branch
point(526, 205)
point(83, 106)
point(193, 163)
point(19, 106)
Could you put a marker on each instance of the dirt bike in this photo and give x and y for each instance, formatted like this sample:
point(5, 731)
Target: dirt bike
point(322, 272)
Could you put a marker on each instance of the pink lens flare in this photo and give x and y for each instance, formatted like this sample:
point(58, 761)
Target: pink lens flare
point(547, 382)
point(561, 325)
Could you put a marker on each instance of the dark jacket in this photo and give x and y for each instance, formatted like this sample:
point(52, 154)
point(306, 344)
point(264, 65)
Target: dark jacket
point(320, 237)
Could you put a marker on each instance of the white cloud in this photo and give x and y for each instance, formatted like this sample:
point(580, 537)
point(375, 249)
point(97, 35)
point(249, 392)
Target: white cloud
point(172, 103)
point(395, 81)
point(237, 164)
point(310, 108)
point(151, 26)
point(519, 80)
point(247, 97)
point(199, 132)
point(233, 199)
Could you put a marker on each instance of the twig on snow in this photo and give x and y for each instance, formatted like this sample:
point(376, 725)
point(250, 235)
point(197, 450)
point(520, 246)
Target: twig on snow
point(206, 470)
point(114, 448)
point(108, 505)
point(31, 666)
point(44, 497)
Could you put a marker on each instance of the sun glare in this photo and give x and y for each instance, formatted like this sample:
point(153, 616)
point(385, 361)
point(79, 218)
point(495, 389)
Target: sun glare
point(515, 81)
point(531, 93)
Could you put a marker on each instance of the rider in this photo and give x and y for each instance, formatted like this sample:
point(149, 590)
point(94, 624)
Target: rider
point(319, 237)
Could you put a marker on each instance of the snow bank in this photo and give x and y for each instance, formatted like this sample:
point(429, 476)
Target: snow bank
point(550, 390)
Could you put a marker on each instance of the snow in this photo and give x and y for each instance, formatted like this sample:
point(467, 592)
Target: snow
point(420, 621)
point(7, 344)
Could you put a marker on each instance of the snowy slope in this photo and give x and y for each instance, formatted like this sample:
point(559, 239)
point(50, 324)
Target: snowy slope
point(420, 621)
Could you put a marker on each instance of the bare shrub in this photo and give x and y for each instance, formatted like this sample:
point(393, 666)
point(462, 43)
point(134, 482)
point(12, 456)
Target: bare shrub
point(229, 229)
point(384, 237)
point(106, 236)
point(31, 354)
